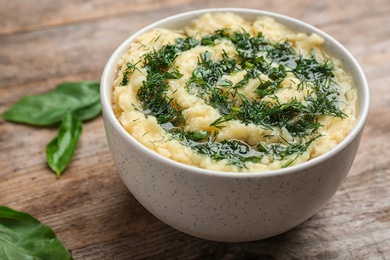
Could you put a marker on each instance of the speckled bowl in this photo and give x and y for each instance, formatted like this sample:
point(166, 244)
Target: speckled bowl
point(226, 206)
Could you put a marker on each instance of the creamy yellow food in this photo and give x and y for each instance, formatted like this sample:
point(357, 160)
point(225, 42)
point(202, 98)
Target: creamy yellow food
point(229, 94)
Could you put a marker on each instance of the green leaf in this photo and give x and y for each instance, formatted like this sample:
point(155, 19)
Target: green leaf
point(60, 150)
point(24, 237)
point(89, 112)
point(48, 108)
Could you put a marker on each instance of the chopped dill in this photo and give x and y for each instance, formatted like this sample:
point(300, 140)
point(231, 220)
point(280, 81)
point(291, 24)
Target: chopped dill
point(310, 70)
point(236, 152)
point(153, 92)
point(129, 70)
point(208, 72)
point(209, 81)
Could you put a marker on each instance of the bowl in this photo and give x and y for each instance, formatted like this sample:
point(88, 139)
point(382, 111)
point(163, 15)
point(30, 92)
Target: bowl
point(231, 206)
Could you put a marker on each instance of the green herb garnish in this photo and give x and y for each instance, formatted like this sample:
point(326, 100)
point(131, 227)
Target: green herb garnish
point(160, 67)
point(234, 151)
point(209, 81)
point(129, 70)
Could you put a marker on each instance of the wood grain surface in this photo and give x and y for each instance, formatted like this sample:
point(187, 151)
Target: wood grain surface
point(44, 43)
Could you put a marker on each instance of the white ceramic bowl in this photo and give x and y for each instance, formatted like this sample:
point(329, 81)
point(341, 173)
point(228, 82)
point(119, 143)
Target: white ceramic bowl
point(226, 206)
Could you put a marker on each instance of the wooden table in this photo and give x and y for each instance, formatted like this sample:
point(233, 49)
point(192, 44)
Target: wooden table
point(44, 43)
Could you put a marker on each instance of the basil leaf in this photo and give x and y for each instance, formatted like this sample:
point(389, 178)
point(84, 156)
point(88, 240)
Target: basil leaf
point(24, 237)
point(60, 150)
point(89, 112)
point(48, 109)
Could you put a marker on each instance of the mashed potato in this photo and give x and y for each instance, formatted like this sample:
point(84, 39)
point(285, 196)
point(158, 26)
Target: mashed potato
point(229, 94)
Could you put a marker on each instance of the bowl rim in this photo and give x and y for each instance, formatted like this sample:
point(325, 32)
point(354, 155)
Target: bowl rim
point(356, 72)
